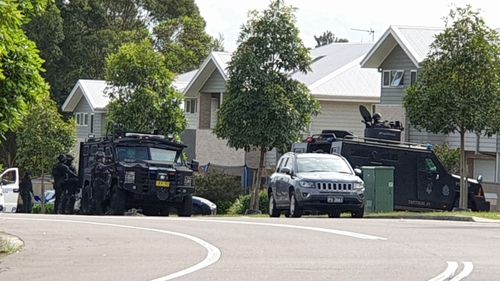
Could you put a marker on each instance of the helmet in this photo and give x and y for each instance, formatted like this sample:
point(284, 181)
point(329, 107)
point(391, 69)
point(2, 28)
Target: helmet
point(99, 155)
point(69, 157)
point(377, 116)
point(61, 158)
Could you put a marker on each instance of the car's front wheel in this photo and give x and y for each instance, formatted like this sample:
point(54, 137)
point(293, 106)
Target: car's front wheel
point(295, 209)
point(273, 211)
point(358, 213)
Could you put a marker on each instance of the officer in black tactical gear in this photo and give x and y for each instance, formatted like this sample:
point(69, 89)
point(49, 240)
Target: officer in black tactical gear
point(70, 187)
point(59, 175)
point(101, 183)
point(26, 191)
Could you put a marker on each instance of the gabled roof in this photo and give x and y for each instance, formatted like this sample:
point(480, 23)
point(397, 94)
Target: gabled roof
point(415, 41)
point(335, 73)
point(94, 91)
point(216, 60)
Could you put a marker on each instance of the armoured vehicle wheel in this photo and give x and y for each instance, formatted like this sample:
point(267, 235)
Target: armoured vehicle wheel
point(118, 200)
point(273, 211)
point(295, 210)
point(185, 209)
point(334, 214)
point(358, 214)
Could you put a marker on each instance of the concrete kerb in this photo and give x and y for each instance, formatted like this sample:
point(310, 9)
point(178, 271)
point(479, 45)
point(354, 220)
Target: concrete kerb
point(12, 243)
point(448, 218)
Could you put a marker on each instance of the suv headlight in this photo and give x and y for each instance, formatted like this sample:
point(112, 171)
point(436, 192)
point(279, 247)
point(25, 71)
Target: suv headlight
point(188, 180)
point(359, 186)
point(129, 177)
point(306, 184)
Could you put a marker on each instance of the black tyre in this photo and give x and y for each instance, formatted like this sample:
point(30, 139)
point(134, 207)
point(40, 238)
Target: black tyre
point(358, 213)
point(273, 211)
point(117, 202)
point(186, 207)
point(334, 214)
point(295, 209)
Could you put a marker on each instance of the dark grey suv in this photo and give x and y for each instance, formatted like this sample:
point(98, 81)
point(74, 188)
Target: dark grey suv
point(315, 182)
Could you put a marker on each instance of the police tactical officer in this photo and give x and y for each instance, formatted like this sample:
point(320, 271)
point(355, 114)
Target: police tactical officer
point(59, 175)
point(70, 186)
point(26, 191)
point(101, 181)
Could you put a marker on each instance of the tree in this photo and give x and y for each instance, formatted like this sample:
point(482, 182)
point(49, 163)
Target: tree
point(449, 157)
point(328, 38)
point(263, 106)
point(142, 96)
point(20, 64)
point(43, 136)
point(458, 89)
point(184, 43)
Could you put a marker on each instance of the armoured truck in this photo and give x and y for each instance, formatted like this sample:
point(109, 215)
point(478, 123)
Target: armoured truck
point(145, 171)
point(421, 182)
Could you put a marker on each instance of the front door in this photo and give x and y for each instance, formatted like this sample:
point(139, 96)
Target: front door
point(9, 185)
point(430, 183)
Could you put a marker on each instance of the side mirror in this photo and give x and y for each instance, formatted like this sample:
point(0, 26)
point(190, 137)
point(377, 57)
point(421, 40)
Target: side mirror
point(195, 165)
point(480, 179)
point(358, 172)
point(286, 170)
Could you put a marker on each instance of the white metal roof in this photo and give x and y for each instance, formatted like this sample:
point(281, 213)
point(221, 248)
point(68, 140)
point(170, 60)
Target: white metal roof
point(94, 91)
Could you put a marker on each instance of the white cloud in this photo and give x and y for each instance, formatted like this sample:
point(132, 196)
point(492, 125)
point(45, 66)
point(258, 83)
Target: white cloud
point(316, 16)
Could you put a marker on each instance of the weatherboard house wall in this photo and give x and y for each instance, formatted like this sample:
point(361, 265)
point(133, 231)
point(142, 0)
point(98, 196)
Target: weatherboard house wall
point(404, 48)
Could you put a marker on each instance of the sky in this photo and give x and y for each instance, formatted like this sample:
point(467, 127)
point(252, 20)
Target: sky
point(316, 16)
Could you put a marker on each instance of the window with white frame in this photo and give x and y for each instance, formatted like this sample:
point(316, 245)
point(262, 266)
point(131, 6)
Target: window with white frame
point(413, 77)
point(393, 78)
point(82, 119)
point(190, 106)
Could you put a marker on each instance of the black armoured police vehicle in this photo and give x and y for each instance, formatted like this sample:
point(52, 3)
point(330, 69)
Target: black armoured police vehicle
point(421, 182)
point(147, 172)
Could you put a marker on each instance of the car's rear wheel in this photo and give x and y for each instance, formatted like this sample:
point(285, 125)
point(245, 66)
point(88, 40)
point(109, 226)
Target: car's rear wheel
point(334, 214)
point(358, 213)
point(295, 209)
point(273, 211)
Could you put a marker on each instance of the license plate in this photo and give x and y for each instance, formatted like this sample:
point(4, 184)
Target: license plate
point(162, 183)
point(335, 199)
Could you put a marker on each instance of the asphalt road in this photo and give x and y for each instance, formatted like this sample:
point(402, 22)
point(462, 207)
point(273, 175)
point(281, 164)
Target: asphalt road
point(200, 248)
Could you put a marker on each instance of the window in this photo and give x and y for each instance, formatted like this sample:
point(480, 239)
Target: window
point(190, 106)
point(413, 77)
point(82, 119)
point(91, 123)
point(393, 78)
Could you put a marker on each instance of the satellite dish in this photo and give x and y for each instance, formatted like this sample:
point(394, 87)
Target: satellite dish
point(367, 117)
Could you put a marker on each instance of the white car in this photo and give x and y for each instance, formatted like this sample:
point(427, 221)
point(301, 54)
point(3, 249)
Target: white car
point(9, 190)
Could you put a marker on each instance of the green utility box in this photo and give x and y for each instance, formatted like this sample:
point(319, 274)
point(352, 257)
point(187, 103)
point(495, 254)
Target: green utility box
point(379, 188)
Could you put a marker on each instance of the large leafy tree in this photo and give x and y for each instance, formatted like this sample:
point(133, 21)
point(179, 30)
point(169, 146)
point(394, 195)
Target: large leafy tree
point(263, 106)
point(328, 38)
point(20, 64)
point(458, 89)
point(184, 42)
point(142, 96)
point(43, 136)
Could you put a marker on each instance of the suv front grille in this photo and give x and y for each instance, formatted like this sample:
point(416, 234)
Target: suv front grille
point(331, 186)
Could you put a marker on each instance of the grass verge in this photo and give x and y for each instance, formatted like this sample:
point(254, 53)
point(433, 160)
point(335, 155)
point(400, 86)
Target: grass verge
point(437, 215)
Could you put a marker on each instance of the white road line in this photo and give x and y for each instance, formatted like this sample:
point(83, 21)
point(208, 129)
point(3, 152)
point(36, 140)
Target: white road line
point(468, 267)
point(448, 273)
point(213, 253)
point(318, 229)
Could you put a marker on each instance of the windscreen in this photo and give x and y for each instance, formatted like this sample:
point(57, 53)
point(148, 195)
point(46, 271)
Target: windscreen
point(141, 153)
point(322, 164)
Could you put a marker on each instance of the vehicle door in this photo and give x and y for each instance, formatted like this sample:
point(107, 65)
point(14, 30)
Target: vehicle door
point(9, 183)
point(430, 181)
point(275, 179)
point(286, 180)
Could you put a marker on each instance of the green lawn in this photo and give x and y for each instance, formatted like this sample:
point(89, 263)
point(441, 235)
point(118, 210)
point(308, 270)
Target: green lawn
point(436, 215)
